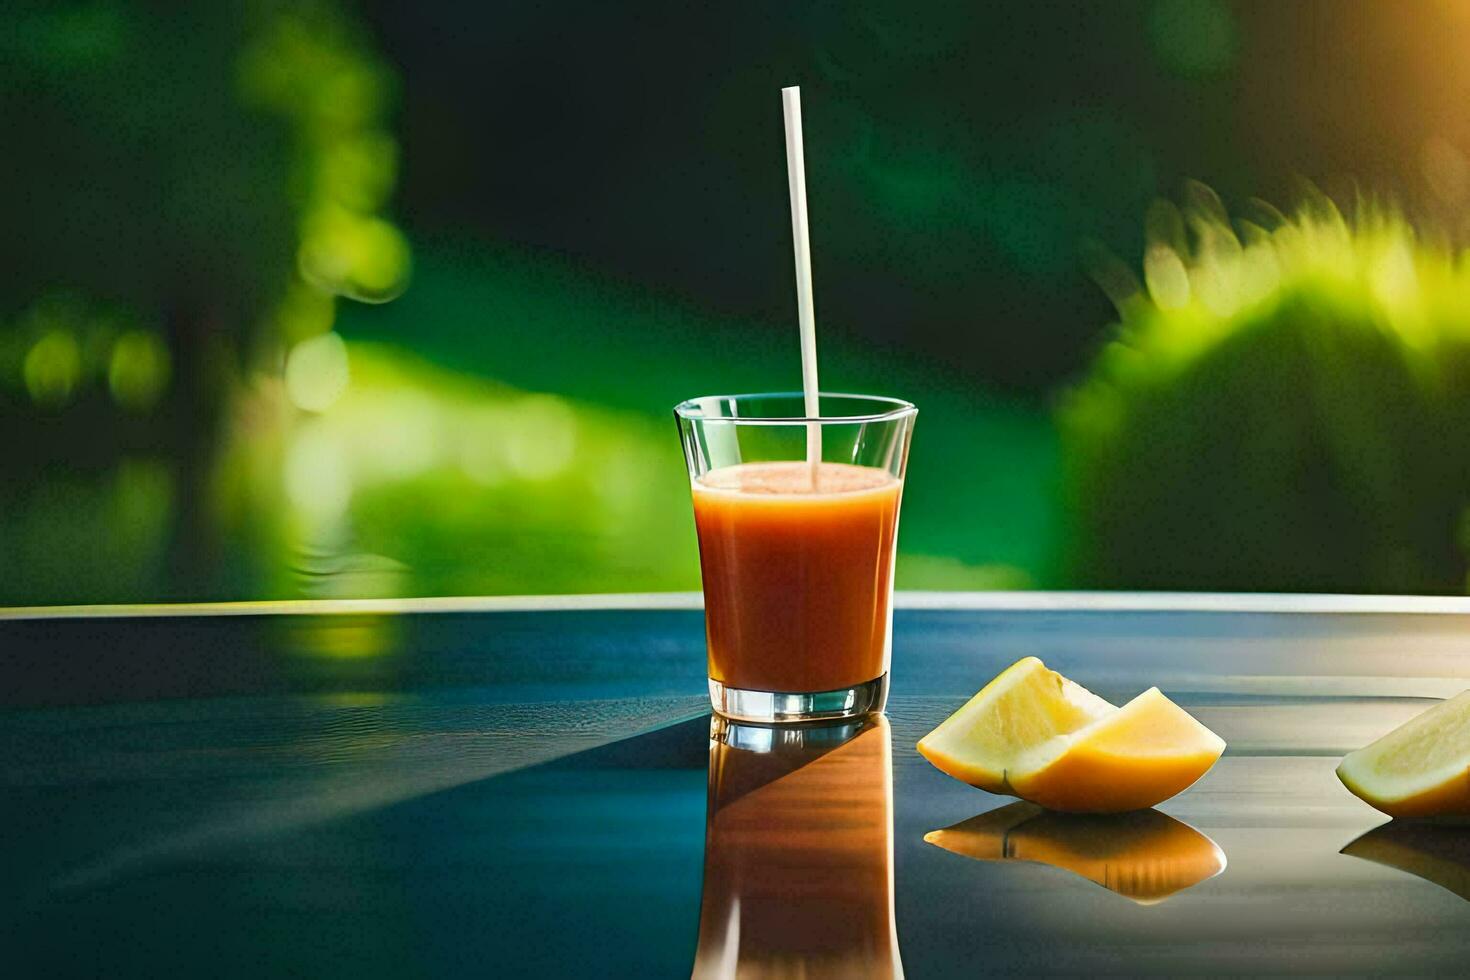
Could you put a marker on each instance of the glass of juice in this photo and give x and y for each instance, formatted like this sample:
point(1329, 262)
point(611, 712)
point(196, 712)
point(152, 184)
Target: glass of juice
point(797, 519)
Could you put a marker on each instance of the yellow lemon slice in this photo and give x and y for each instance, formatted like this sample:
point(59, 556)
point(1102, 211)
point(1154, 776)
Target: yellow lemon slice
point(1421, 768)
point(1145, 856)
point(1025, 705)
point(1140, 755)
point(1034, 734)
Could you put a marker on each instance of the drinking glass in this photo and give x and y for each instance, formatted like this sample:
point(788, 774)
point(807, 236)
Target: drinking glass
point(797, 520)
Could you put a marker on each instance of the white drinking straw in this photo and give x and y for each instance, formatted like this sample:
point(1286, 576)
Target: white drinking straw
point(805, 309)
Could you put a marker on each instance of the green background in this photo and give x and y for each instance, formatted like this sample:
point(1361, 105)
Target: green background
point(352, 300)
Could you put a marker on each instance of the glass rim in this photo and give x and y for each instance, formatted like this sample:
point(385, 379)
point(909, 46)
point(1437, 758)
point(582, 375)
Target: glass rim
point(691, 409)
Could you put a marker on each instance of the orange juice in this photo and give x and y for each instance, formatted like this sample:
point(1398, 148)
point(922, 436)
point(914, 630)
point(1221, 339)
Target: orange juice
point(798, 573)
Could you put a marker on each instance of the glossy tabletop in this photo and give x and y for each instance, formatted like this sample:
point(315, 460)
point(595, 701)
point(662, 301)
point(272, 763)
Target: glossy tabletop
point(463, 790)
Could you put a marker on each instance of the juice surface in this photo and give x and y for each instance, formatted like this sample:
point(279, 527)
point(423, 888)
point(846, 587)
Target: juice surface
point(797, 578)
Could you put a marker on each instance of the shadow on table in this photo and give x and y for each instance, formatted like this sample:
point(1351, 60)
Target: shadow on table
point(585, 865)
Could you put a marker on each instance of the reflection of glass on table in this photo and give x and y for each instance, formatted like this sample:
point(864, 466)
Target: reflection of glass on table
point(798, 862)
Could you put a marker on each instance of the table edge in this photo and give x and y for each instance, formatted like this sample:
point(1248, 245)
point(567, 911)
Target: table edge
point(1000, 601)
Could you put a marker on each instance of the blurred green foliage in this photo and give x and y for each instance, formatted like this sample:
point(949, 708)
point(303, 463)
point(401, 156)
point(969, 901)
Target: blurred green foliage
point(189, 191)
point(204, 393)
point(1282, 408)
point(423, 477)
point(312, 67)
point(418, 480)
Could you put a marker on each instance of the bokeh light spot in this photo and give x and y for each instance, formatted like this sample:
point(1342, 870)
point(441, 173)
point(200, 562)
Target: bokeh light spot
point(358, 256)
point(53, 368)
point(317, 372)
point(138, 370)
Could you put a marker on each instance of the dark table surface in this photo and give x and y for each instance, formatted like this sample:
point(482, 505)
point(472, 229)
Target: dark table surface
point(537, 793)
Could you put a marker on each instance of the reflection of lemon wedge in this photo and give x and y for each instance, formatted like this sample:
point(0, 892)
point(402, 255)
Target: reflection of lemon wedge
point(1145, 856)
point(1035, 734)
point(1421, 768)
point(1437, 854)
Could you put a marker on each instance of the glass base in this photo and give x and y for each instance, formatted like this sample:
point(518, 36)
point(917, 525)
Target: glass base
point(776, 708)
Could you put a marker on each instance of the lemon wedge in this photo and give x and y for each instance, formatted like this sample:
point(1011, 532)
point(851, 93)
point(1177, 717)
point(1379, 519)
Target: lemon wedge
point(1024, 706)
point(1035, 734)
point(1421, 768)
